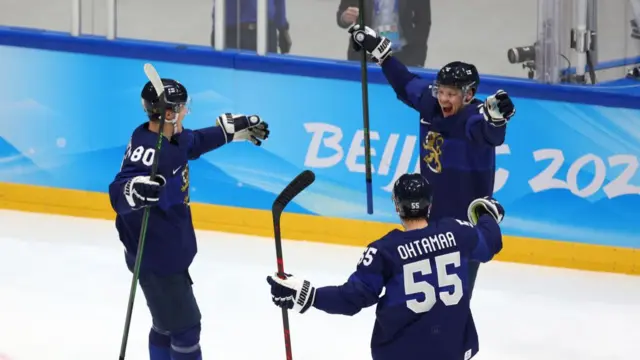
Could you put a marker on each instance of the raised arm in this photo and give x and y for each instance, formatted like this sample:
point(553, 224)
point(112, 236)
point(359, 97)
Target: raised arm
point(482, 131)
point(229, 127)
point(409, 87)
point(489, 239)
point(483, 232)
point(488, 122)
point(202, 141)
point(479, 242)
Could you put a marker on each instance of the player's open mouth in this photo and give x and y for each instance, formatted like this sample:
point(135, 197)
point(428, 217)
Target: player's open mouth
point(447, 109)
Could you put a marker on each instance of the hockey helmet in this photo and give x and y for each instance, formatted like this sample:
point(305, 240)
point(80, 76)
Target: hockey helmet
point(412, 196)
point(175, 93)
point(457, 74)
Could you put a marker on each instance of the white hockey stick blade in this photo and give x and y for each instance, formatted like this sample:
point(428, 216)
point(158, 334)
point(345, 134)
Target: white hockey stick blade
point(155, 79)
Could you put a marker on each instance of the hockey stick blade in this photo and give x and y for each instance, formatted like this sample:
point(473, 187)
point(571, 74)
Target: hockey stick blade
point(295, 187)
point(155, 79)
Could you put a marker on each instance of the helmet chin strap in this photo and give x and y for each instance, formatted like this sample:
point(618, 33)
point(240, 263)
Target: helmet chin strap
point(177, 113)
point(174, 122)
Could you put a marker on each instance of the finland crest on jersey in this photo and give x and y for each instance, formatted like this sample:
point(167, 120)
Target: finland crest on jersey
point(185, 184)
point(433, 148)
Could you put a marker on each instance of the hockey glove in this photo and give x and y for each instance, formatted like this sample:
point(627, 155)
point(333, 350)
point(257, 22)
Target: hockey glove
point(377, 46)
point(141, 191)
point(485, 205)
point(244, 127)
point(498, 108)
point(291, 292)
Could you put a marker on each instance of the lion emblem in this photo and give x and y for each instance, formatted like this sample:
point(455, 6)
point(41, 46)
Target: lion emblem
point(433, 146)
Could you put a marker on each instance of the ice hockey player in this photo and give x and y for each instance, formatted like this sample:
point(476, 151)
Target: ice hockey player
point(424, 313)
point(458, 132)
point(170, 243)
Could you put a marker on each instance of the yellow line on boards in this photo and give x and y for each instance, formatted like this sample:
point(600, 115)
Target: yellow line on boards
point(318, 228)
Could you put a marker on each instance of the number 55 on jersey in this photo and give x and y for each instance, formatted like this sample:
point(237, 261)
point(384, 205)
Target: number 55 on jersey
point(424, 312)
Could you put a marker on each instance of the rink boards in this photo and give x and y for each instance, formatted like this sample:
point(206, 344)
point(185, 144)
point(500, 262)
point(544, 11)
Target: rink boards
point(567, 175)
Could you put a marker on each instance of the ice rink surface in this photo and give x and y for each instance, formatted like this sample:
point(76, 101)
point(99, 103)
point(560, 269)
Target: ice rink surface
point(64, 289)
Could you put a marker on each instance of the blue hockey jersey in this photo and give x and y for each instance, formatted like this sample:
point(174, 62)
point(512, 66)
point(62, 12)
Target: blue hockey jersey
point(170, 243)
point(424, 313)
point(457, 153)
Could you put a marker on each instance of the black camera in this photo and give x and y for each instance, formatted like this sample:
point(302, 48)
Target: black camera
point(521, 54)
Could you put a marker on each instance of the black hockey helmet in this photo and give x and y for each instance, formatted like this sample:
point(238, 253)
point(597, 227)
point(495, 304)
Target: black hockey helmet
point(412, 196)
point(458, 74)
point(175, 93)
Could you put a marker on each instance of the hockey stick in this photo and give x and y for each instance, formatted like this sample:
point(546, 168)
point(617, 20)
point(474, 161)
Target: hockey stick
point(155, 79)
point(365, 116)
point(295, 187)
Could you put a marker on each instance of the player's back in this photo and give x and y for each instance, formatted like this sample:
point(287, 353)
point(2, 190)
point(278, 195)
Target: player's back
point(424, 313)
point(170, 239)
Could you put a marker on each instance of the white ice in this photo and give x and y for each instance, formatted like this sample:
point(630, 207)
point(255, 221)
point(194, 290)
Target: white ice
point(64, 289)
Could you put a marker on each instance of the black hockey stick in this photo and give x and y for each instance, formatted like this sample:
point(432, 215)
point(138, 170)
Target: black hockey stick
point(155, 79)
point(365, 116)
point(295, 187)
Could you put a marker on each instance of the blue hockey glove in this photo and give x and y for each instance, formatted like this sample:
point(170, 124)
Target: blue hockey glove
point(291, 292)
point(378, 47)
point(141, 191)
point(485, 205)
point(498, 108)
point(244, 127)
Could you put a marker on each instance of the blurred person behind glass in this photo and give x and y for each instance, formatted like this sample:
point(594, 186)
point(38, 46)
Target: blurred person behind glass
point(405, 22)
point(241, 26)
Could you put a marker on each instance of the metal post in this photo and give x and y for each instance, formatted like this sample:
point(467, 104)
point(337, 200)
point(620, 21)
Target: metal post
point(112, 19)
point(548, 41)
point(580, 9)
point(592, 24)
point(262, 23)
point(76, 22)
point(219, 23)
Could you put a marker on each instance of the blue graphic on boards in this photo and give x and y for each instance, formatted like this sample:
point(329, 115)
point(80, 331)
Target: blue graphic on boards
point(567, 171)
